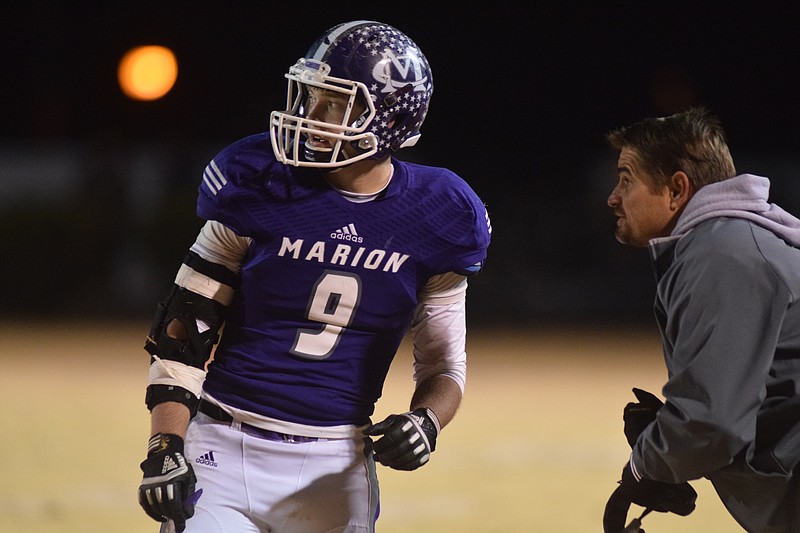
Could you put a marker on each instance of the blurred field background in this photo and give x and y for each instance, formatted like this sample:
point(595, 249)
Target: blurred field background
point(536, 447)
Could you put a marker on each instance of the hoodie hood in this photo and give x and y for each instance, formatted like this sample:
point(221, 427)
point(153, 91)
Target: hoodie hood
point(744, 196)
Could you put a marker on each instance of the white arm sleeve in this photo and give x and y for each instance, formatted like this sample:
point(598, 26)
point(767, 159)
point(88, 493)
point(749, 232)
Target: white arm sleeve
point(218, 244)
point(439, 330)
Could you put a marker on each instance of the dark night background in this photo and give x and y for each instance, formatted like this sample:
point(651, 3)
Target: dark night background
point(97, 191)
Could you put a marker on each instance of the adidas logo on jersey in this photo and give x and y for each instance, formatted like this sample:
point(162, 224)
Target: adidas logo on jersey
point(347, 233)
point(207, 459)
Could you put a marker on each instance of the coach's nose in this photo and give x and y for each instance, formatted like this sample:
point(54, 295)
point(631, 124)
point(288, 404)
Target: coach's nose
point(614, 200)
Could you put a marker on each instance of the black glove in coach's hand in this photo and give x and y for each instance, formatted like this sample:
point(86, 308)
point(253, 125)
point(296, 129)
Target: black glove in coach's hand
point(167, 489)
point(637, 416)
point(408, 439)
point(678, 498)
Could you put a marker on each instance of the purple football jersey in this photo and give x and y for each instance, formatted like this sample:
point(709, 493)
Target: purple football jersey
point(328, 287)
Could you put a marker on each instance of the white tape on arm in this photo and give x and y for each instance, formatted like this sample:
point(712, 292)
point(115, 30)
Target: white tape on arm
point(166, 372)
point(201, 284)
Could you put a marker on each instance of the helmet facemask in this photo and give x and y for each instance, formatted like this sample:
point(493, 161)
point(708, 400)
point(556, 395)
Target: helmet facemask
point(290, 129)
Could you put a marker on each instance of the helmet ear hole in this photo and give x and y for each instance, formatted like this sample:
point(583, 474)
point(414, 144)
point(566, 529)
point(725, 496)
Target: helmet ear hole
point(400, 123)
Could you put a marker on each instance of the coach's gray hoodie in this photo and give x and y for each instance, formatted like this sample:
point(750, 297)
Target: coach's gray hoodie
point(745, 196)
point(728, 308)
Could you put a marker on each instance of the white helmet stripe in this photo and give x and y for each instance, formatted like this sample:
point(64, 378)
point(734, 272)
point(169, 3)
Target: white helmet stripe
point(334, 36)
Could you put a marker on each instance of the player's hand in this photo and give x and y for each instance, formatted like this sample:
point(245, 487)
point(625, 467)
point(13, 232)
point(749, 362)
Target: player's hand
point(678, 498)
point(168, 486)
point(637, 416)
point(408, 439)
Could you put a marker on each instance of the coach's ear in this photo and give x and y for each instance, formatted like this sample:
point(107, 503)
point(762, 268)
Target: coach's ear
point(680, 190)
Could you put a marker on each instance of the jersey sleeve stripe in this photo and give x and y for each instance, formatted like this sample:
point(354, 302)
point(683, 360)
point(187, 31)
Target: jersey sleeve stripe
point(213, 178)
point(209, 182)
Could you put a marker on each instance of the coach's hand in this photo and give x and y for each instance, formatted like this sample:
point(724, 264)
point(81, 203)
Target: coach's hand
point(678, 498)
point(637, 416)
point(167, 489)
point(408, 439)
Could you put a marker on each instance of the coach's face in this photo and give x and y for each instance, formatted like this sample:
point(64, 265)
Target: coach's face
point(644, 210)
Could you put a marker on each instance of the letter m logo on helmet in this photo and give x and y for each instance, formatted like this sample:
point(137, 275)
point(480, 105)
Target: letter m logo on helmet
point(407, 68)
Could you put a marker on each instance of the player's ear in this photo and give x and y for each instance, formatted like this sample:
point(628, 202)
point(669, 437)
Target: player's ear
point(680, 189)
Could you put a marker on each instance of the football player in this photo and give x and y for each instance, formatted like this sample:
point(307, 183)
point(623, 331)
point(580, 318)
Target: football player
point(320, 251)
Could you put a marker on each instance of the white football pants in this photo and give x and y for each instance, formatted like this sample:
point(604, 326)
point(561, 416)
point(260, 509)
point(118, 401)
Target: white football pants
point(251, 484)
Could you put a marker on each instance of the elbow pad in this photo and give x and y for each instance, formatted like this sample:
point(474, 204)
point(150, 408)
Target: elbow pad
point(185, 330)
point(201, 319)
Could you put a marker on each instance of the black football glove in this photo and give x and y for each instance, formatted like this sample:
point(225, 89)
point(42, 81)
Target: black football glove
point(168, 486)
point(637, 416)
point(408, 439)
point(678, 498)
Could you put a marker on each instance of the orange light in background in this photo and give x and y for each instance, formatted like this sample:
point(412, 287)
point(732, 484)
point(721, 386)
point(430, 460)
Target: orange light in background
point(147, 72)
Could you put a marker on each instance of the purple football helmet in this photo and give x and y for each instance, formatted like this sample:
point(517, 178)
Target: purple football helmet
point(365, 60)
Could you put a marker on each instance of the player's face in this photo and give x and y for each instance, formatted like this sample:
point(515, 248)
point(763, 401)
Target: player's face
point(643, 210)
point(331, 107)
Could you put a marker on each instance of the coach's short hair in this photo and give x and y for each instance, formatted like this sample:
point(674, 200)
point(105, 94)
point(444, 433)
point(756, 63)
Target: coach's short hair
point(692, 141)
